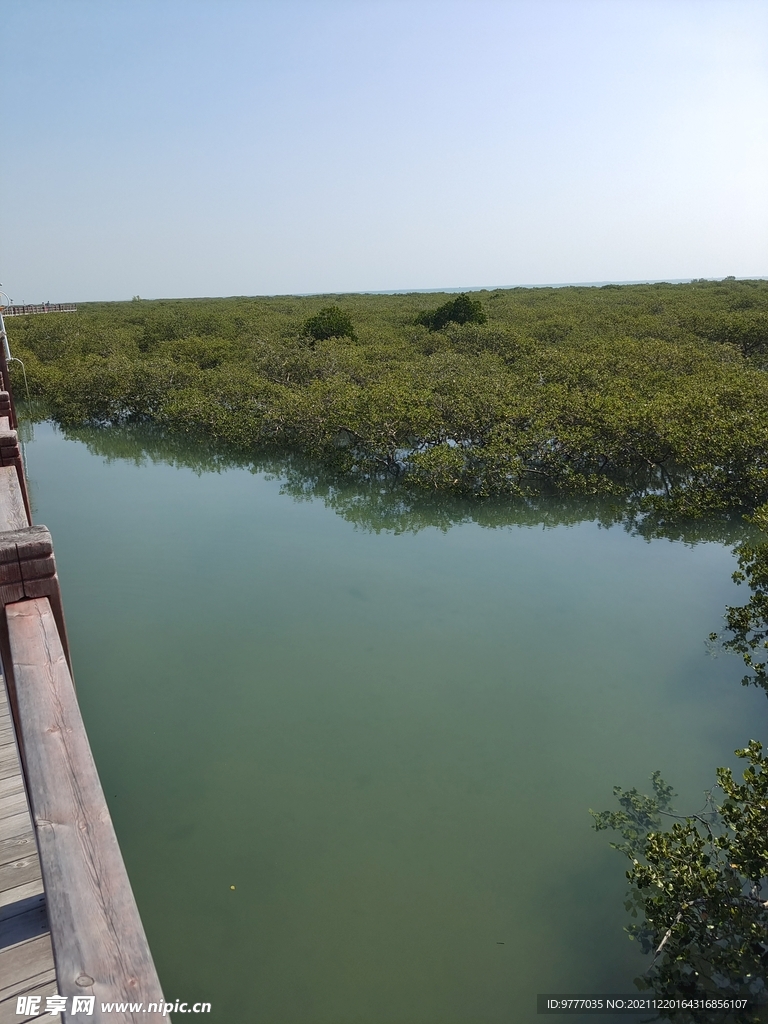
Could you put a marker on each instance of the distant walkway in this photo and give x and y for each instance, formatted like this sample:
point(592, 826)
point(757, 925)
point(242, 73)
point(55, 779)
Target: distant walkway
point(45, 307)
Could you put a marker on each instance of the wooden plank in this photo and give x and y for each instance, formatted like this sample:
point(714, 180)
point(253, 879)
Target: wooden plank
point(12, 804)
point(18, 848)
point(14, 825)
point(8, 1007)
point(23, 964)
point(9, 757)
point(8, 764)
point(18, 872)
point(13, 514)
point(98, 940)
point(13, 784)
point(19, 893)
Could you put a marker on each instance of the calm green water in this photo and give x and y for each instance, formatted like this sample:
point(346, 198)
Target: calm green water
point(387, 741)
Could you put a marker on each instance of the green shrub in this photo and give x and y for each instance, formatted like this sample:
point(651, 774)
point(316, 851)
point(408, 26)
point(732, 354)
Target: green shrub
point(330, 322)
point(461, 310)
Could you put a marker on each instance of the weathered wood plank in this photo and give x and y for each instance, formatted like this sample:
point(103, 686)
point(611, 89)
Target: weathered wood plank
point(21, 892)
point(14, 825)
point(44, 987)
point(18, 872)
point(98, 939)
point(8, 766)
point(29, 882)
point(23, 964)
point(13, 784)
point(13, 803)
point(7, 743)
point(18, 848)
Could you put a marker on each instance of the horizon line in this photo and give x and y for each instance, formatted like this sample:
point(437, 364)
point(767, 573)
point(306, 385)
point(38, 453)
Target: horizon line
point(414, 291)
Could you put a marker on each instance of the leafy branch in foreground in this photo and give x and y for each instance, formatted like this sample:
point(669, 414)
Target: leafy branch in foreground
point(748, 623)
point(697, 890)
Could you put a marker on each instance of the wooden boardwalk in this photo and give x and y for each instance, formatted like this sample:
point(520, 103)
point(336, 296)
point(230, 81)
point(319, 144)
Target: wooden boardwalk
point(26, 954)
point(69, 924)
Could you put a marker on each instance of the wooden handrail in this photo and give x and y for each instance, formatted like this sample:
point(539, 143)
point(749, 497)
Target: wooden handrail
point(99, 943)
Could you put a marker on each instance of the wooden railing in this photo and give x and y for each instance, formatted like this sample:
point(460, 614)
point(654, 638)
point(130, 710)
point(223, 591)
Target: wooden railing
point(99, 945)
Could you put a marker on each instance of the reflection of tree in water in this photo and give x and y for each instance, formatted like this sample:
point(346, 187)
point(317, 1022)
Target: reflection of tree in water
point(386, 503)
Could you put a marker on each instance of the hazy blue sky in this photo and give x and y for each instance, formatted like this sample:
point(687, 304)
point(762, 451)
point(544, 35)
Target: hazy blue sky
point(218, 147)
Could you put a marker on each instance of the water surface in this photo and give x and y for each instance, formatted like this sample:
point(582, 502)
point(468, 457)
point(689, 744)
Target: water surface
point(386, 739)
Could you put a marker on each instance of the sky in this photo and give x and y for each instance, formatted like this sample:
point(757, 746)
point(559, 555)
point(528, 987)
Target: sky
point(170, 148)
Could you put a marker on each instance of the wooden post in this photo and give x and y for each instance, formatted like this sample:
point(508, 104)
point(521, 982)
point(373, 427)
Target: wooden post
point(27, 570)
point(13, 512)
point(5, 406)
point(99, 944)
point(6, 381)
point(10, 455)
